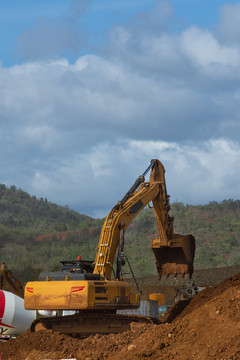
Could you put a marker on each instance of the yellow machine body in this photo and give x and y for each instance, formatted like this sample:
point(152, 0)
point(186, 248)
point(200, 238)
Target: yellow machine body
point(81, 295)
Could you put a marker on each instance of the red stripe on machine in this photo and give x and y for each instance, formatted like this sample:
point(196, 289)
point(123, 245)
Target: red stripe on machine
point(30, 289)
point(2, 304)
point(77, 288)
point(2, 309)
point(5, 325)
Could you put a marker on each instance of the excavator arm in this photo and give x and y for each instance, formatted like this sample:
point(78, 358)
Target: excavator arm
point(7, 277)
point(174, 253)
point(117, 221)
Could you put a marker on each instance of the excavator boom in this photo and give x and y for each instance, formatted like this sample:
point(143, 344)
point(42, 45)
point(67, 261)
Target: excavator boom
point(174, 253)
point(7, 277)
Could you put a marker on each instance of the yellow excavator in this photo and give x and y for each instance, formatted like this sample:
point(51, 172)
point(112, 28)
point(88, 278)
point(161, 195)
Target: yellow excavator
point(8, 280)
point(88, 288)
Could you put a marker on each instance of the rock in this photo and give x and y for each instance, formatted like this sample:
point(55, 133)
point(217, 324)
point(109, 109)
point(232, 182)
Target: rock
point(131, 347)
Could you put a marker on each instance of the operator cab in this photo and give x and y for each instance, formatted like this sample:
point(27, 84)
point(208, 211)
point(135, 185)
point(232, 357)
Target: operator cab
point(77, 266)
point(73, 269)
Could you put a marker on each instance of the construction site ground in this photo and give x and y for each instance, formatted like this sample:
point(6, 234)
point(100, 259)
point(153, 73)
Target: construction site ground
point(201, 278)
point(205, 328)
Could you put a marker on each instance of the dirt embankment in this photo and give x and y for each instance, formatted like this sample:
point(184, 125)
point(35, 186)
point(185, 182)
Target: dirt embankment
point(206, 328)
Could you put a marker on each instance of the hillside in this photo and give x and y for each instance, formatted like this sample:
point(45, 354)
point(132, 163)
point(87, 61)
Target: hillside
point(36, 234)
point(216, 227)
point(19, 210)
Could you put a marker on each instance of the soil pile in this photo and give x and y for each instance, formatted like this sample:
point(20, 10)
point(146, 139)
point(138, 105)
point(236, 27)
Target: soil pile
point(205, 328)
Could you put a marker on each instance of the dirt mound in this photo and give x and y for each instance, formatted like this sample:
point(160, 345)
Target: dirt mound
point(206, 328)
point(41, 345)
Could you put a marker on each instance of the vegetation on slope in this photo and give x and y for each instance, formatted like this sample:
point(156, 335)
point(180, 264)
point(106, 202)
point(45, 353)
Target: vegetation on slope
point(216, 228)
point(36, 234)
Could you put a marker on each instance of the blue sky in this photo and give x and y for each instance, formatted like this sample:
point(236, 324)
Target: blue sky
point(97, 19)
point(91, 91)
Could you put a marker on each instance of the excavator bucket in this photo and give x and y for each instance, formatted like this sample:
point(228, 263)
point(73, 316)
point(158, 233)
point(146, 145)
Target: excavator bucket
point(177, 258)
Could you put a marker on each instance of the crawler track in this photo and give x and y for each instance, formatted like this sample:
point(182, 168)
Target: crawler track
point(85, 324)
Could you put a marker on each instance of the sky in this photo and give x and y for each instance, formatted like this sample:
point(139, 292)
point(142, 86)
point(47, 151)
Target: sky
point(91, 91)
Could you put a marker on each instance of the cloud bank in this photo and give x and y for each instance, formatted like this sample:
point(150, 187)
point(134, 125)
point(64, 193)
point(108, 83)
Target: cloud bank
point(80, 133)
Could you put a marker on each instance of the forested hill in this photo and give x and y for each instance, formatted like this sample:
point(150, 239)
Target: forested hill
point(36, 234)
point(20, 210)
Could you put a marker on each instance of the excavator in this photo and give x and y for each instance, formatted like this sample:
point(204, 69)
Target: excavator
point(7, 279)
point(88, 289)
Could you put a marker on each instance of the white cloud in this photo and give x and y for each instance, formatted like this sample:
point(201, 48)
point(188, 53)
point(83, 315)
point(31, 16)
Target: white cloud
point(228, 26)
point(41, 137)
point(204, 49)
point(96, 180)
point(80, 133)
